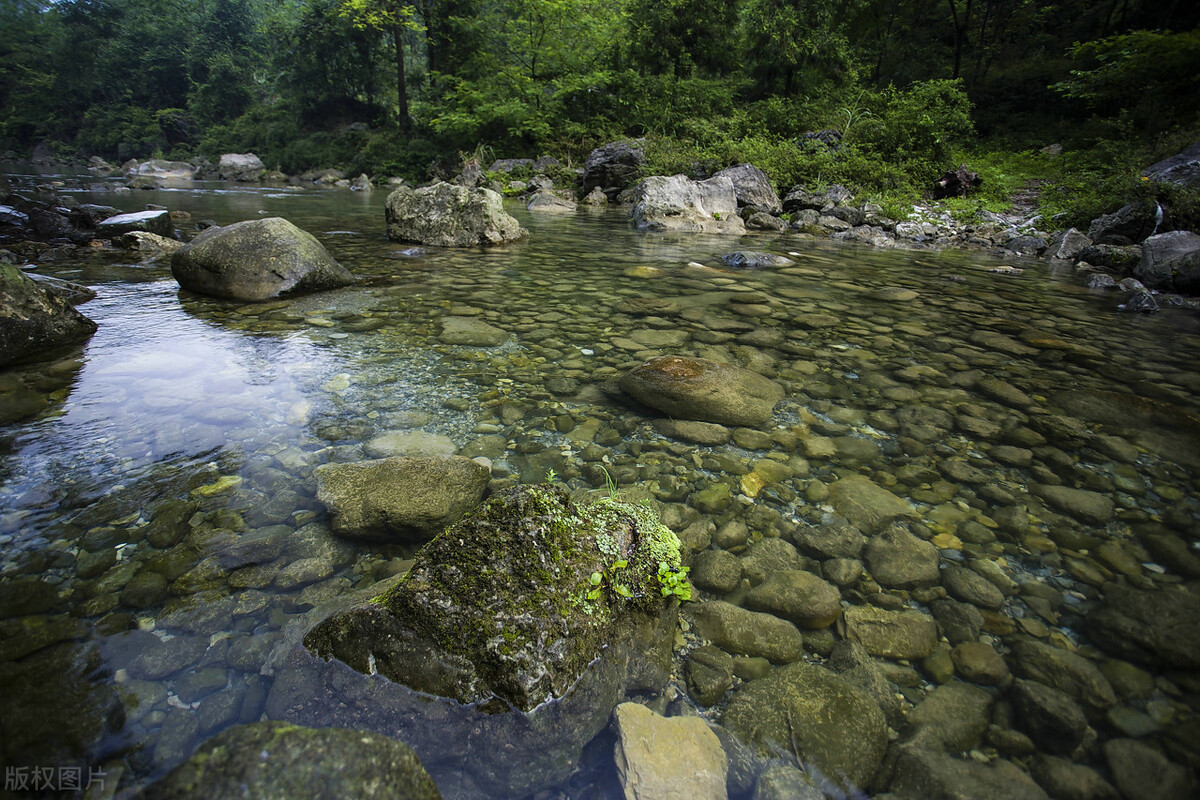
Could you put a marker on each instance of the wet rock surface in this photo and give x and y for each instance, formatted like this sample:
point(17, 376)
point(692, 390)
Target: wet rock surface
point(445, 215)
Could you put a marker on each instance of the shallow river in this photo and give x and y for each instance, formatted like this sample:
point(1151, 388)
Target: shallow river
point(185, 423)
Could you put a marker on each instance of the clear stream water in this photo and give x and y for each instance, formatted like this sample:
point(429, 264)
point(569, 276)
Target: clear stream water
point(186, 424)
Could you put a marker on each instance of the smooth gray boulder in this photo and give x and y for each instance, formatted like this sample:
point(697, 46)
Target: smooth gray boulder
point(1159, 254)
point(1066, 245)
point(240, 167)
point(35, 318)
point(400, 499)
point(1182, 168)
point(280, 761)
point(752, 187)
point(748, 259)
point(506, 647)
point(256, 260)
point(677, 203)
point(446, 215)
point(704, 390)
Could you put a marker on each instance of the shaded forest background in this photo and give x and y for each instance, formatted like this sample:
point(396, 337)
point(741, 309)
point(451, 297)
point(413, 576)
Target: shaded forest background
point(911, 87)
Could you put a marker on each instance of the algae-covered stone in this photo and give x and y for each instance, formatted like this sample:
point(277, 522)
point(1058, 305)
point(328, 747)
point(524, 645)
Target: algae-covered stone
point(897, 558)
point(1068, 672)
point(505, 647)
point(446, 215)
point(472, 332)
point(400, 498)
point(867, 504)
point(891, 634)
point(255, 260)
point(1160, 626)
point(700, 389)
point(33, 319)
point(748, 633)
point(808, 710)
point(280, 761)
point(799, 597)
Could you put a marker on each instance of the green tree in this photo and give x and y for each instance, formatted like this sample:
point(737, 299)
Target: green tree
point(683, 36)
point(395, 18)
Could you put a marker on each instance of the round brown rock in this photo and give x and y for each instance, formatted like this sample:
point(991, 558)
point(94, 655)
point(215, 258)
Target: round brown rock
point(699, 389)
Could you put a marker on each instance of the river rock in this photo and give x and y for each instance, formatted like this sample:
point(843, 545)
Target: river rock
point(677, 203)
point(971, 587)
point(752, 187)
point(867, 504)
point(34, 319)
point(157, 222)
point(699, 389)
point(835, 538)
point(401, 498)
point(1082, 504)
point(161, 168)
point(1067, 780)
point(1150, 626)
point(692, 431)
point(506, 646)
point(749, 259)
point(834, 727)
point(446, 215)
point(1184, 273)
point(1052, 719)
point(659, 758)
point(953, 717)
point(546, 202)
point(898, 559)
point(782, 781)
point(1066, 245)
point(1143, 773)
point(1063, 670)
point(799, 597)
point(255, 260)
point(74, 293)
point(240, 167)
point(1158, 252)
point(472, 332)
point(925, 774)
point(279, 761)
point(747, 633)
point(891, 634)
point(613, 167)
point(978, 662)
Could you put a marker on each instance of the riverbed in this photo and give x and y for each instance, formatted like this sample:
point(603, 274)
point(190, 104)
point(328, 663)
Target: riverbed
point(958, 382)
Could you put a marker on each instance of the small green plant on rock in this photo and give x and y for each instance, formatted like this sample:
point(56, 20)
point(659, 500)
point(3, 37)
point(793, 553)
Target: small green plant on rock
point(673, 581)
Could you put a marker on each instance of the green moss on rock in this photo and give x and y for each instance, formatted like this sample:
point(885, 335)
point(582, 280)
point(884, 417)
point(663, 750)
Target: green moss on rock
point(496, 607)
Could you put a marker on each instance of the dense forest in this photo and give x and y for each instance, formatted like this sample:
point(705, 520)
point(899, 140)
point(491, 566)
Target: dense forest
point(901, 90)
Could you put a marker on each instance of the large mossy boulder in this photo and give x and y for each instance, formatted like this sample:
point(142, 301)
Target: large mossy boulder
point(34, 318)
point(678, 203)
point(445, 215)
point(280, 761)
point(256, 260)
point(505, 648)
point(704, 390)
point(400, 499)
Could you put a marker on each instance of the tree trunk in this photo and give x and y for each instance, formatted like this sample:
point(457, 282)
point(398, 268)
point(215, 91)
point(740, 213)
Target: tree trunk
point(401, 84)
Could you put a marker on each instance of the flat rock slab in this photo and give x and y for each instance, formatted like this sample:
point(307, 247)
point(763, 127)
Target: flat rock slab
point(400, 499)
point(699, 389)
point(867, 504)
point(660, 758)
point(891, 634)
point(158, 222)
point(471, 332)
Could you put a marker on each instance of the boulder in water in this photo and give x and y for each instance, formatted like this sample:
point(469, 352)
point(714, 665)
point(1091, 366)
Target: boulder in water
point(677, 203)
point(446, 215)
point(613, 167)
point(240, 167)
point(752, 187)
point(699, 389)
point(255, 260)
point(506, 647)
point(34, 318)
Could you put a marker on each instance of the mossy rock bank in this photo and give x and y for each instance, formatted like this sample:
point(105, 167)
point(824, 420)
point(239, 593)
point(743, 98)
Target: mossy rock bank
point(504, 649)
point(34, 319)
